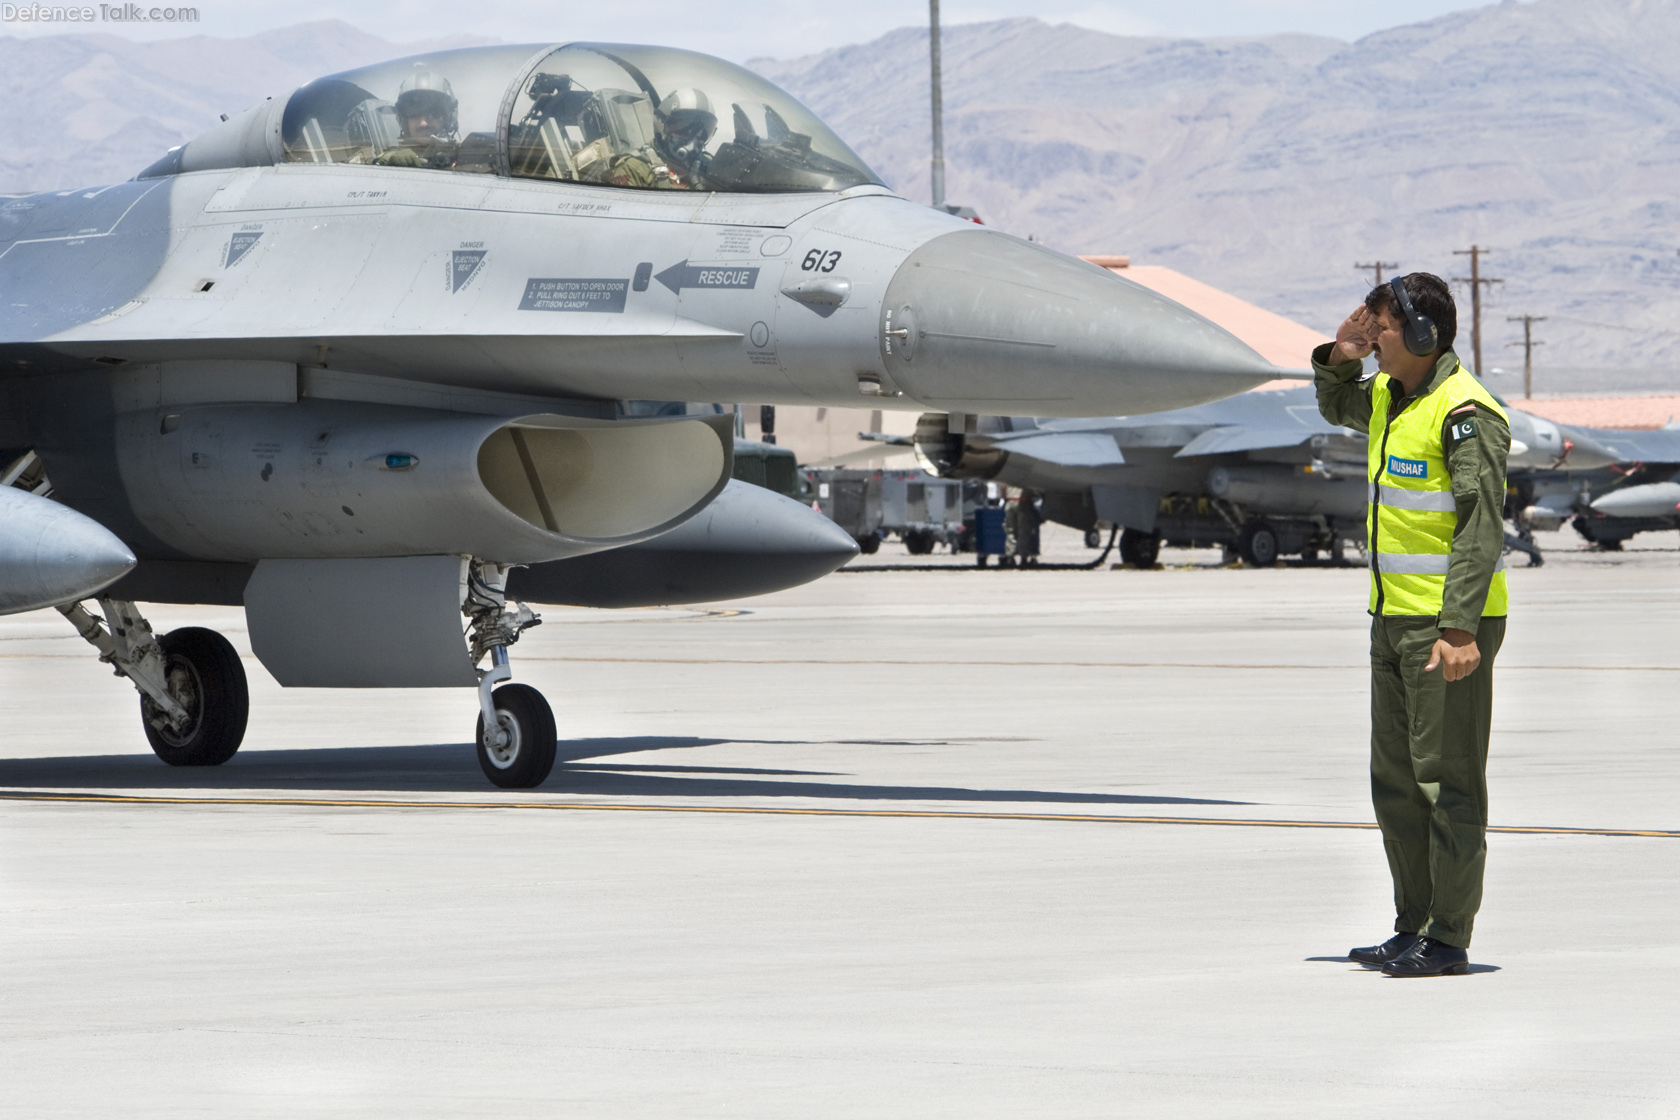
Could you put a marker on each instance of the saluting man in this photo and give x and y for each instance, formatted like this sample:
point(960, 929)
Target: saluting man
point(1436, 538)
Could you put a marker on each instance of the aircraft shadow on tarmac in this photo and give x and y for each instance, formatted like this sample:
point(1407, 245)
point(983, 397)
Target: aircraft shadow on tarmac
point(453, 768)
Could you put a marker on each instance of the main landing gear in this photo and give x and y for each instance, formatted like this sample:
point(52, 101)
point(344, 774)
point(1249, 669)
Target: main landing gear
point(193, 697)
point(515, 735)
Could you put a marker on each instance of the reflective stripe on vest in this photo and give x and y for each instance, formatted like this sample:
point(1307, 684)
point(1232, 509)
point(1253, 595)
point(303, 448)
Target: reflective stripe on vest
point(1417, 564)
point(1412, 513)
point(1435, 501)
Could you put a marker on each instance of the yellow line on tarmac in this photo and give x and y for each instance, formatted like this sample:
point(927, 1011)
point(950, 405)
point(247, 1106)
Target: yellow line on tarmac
point(751, 810)
point(967, 663)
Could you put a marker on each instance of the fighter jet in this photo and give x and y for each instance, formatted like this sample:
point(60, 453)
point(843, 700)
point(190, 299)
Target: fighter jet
point(1627, 507)
point(1261, 474)
point(355, 355)
point(1641, 495)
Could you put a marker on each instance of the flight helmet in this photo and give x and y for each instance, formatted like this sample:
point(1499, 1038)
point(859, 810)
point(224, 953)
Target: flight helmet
point(427, 93)
point(688, 122)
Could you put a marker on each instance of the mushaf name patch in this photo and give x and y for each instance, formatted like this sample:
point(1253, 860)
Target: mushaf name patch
point(1408, 468)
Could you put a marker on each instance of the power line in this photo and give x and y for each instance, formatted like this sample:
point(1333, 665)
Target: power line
point(938, 168)
point(1614, 326)
point(1376, 267)
point(1476, 280)
point(1528, 344)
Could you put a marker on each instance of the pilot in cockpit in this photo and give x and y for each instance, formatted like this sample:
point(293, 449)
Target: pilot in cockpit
point(683, 125)
point(427, 115)
point(671, 155)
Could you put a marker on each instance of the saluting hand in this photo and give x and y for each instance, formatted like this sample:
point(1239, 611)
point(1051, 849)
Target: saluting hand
point(1458, 649)
point(1356, 337)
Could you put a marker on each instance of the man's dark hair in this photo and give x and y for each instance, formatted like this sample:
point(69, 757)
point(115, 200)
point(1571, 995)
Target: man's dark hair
point(1429, 295)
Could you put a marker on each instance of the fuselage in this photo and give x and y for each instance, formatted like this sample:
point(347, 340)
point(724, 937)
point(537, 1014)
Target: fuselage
point(584, 292)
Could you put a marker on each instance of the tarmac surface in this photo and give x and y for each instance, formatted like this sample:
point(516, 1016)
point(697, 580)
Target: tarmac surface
point(947, 843)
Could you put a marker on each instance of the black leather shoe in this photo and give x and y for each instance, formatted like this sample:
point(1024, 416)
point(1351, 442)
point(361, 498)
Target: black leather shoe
point(1429, 957)
point(1375, 956)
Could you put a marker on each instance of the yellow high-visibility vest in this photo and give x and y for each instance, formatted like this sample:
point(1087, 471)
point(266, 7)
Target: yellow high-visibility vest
point(1411, 517)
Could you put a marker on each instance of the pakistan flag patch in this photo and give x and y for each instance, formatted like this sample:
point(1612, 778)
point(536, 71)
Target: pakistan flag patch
point(1463, 429)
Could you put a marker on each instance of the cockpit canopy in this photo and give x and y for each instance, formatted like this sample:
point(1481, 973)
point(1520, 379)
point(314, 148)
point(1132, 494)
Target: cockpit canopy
point(650, 118)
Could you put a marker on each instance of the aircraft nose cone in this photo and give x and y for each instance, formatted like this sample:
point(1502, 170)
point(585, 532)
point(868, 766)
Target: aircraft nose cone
point(1656, 499)
point(50, 554)
point(976, 321)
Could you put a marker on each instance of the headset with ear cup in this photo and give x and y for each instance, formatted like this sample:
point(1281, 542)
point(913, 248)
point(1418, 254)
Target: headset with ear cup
point(1420, 334)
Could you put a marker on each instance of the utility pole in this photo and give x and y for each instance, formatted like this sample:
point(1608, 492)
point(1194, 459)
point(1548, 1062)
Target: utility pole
point(938, 109)
point(1528, 344)
point(1476, 280)
point(1376, 267)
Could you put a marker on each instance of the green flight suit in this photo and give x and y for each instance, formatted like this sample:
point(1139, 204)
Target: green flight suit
point(1429, 739)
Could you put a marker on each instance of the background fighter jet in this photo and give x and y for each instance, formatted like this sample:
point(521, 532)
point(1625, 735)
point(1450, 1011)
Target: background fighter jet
point(1609, 507)
point(1261, 474)
point(356, 355)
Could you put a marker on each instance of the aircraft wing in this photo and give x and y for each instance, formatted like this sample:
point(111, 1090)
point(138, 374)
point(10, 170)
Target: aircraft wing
point(1065, 449)
point(1639, 445)
point(1222, 440)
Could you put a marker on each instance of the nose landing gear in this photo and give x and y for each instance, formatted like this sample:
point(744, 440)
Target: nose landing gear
point(521, 755)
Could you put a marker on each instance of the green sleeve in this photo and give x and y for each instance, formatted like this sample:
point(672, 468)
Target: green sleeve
point(1476, 445)
point(1342, 399)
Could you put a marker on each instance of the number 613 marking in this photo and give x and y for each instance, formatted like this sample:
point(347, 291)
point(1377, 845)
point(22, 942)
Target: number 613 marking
point(820, 260)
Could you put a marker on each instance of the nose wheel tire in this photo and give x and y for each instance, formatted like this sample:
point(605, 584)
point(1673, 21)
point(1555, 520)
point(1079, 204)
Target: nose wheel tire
point(527, 756)
point(204, 675)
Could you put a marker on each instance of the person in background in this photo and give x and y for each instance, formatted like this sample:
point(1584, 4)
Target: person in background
point(1022, 524)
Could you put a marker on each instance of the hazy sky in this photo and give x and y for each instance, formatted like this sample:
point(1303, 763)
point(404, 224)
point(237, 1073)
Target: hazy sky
point(741, 29)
